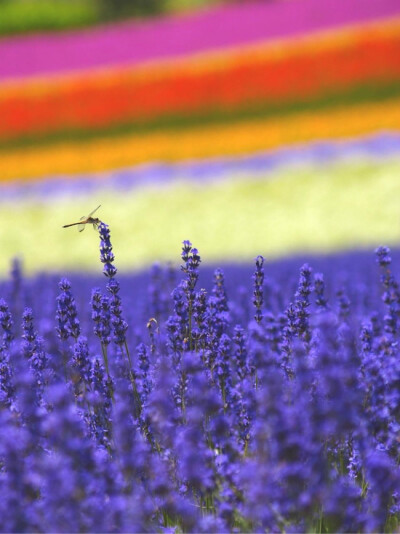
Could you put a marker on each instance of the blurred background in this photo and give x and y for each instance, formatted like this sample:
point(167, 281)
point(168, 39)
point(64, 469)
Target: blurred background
point(249, 127)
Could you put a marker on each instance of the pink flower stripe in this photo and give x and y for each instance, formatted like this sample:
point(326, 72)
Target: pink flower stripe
point(213, 29)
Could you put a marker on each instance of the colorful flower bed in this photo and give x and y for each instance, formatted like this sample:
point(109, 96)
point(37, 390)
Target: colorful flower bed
point(234, 79)
point(200, 142)
point(264, 79)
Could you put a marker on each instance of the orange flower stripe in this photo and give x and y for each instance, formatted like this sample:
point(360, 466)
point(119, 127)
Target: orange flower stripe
point(223, 140)
point(259, 76)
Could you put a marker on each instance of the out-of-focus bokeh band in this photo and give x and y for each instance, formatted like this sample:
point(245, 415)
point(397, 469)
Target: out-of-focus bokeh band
point(232, 84)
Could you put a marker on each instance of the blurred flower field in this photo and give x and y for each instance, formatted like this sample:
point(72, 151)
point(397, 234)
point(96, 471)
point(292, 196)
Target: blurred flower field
point(323, 198)
point(255, 127)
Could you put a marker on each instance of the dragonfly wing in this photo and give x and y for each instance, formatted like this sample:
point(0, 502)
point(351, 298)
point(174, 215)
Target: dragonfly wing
point(81, 227)
point(91, 213)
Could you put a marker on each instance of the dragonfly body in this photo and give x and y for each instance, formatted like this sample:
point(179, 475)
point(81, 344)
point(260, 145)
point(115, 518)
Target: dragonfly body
point(86, 220)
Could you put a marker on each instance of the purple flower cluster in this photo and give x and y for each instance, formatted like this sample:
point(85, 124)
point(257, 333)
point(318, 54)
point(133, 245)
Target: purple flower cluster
point(269, 407)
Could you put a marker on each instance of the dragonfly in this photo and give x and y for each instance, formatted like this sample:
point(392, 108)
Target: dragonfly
point(86, 220)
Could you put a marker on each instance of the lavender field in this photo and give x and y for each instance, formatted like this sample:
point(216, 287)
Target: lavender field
point(268, 402)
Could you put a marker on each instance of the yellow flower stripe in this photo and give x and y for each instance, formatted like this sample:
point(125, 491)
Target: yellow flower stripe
point(200, 142)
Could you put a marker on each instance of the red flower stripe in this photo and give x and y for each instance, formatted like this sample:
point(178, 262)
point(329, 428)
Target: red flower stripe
point(244, 79)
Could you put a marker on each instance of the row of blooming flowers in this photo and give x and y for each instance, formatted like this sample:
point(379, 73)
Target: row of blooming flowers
point(274, 410)
point(200, 142)
point(231, 82)
point(383, 146)
point(229, 25)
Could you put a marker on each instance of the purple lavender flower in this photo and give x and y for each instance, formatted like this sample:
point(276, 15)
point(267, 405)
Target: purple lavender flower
point(199, 317)
point(240, 354)
point(6, 323)
point(383, 256)
point(144, 381)
point(67, 315)
point(33, 351)
point(222, 367)
point(258, 293)
point(302, 303)
point(190, 256)
point(31, 345)
point(217, 315)
point(99, 397)
point(343, 304)
point(319, 288)
point(106, 253)
point(120, 326)
point(101, 316)
point(242, 399)
point(175, 337)
point(7, 387)
point(81, 366)
point(219, 291)
point(192, 261)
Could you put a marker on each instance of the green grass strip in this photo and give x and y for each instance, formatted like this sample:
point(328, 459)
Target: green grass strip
point(27, 16)
point(24, 16)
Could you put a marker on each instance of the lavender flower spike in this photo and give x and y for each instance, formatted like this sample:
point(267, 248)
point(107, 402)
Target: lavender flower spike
point(67, 315)
point(120, 326)
point(106, 253)
point(258, 278)
point(101, 316)
point(6, 323)
point(107, 258)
